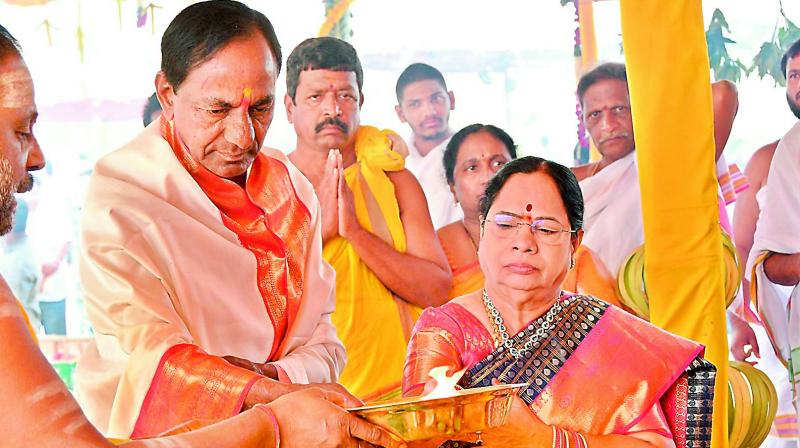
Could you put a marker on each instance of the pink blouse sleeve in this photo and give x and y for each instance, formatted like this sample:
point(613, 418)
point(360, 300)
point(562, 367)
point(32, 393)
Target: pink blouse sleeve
point(435, 341)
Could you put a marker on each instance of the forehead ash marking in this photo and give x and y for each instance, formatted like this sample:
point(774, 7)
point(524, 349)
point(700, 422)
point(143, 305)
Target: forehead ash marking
point(64, 414)
point(16, 88)
point(60, 404)
point(52, 389)
point(76, 422)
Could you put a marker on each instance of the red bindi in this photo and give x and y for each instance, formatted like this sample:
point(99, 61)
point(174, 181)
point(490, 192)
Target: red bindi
point(529, 207)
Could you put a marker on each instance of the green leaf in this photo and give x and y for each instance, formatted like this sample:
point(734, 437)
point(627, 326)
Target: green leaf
point(767, 62)
point(788, 34)
point(720, 60)
point(718, 20)
point(764, 60)
point(730, 70)
point(565, 2)
point(716, 46)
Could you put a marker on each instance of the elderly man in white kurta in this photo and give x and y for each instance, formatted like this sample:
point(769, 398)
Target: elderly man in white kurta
point(201, 252)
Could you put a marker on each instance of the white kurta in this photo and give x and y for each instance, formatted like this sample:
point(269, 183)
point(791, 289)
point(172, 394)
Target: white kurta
point(159, 268)
point(612, 218)
point(778, 231)
point(429, 171)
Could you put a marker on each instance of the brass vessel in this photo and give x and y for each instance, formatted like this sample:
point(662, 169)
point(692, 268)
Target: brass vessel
point(468, 410)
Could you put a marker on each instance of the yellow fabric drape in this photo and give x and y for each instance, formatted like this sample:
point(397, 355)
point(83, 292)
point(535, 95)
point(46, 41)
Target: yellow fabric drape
point(467, 281)
point(668, 77)
point(589, 276)
point(462, 256)
point(369, 320)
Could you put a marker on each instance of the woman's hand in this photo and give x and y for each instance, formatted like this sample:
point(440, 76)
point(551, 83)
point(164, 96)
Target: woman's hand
point(522, 429)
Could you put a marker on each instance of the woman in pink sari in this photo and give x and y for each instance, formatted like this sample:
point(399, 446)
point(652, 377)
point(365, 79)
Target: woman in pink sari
point(598, 376)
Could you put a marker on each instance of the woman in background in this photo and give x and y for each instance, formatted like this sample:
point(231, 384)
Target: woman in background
point(471, 158)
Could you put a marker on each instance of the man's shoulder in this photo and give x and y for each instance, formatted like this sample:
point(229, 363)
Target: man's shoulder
point(283, 158)
point(147, 147)
point(300, 183)
point(403, 178)
point(451, 232)
point(581, 172)
point(788, 149)
point(136, 176)
point(758, 165)
point(792, 137)
point(408, 192)
point(275, 153)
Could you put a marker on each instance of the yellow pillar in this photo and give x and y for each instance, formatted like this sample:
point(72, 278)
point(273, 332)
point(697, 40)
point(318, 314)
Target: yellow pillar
point(669, 81)
point(588, 57)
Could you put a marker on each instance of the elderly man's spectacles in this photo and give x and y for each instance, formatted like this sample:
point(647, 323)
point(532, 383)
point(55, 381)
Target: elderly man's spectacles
point(546, 231)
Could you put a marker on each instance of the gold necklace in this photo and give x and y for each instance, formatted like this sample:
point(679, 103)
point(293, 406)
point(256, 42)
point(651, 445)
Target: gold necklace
point(497, 339)
point(545, 324)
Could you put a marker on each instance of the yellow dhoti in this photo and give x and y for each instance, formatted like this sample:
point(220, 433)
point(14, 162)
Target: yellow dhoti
point(373, 324)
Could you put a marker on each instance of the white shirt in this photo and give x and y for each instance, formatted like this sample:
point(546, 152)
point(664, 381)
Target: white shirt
point(429, 171)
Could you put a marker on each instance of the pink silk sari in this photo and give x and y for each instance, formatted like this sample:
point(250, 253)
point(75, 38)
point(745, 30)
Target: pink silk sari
point(599, 370)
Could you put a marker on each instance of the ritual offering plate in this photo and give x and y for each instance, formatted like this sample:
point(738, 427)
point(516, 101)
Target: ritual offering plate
point(420, 418)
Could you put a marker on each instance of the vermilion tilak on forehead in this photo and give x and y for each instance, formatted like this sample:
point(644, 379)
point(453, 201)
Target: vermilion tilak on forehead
point(247, 97)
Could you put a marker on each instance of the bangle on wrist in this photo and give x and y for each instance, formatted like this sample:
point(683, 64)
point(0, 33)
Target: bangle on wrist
point(276, 428)
point(568, 439)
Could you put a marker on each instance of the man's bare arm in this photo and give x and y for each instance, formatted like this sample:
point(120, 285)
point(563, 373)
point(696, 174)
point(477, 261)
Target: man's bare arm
point(783, 269)
point(725, 98)
point(421, 275)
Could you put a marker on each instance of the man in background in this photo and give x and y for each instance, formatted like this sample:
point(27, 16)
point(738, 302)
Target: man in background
point(424, 103)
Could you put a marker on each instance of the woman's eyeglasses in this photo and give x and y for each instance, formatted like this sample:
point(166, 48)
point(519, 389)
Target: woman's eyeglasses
point(547, 231)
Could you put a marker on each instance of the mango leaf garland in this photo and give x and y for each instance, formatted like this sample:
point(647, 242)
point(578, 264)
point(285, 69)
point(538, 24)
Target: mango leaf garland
point(768, 62)
point(49, 29)
point(724, 66)
point(119, 12)
point(788, 34)
point(337, 19)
